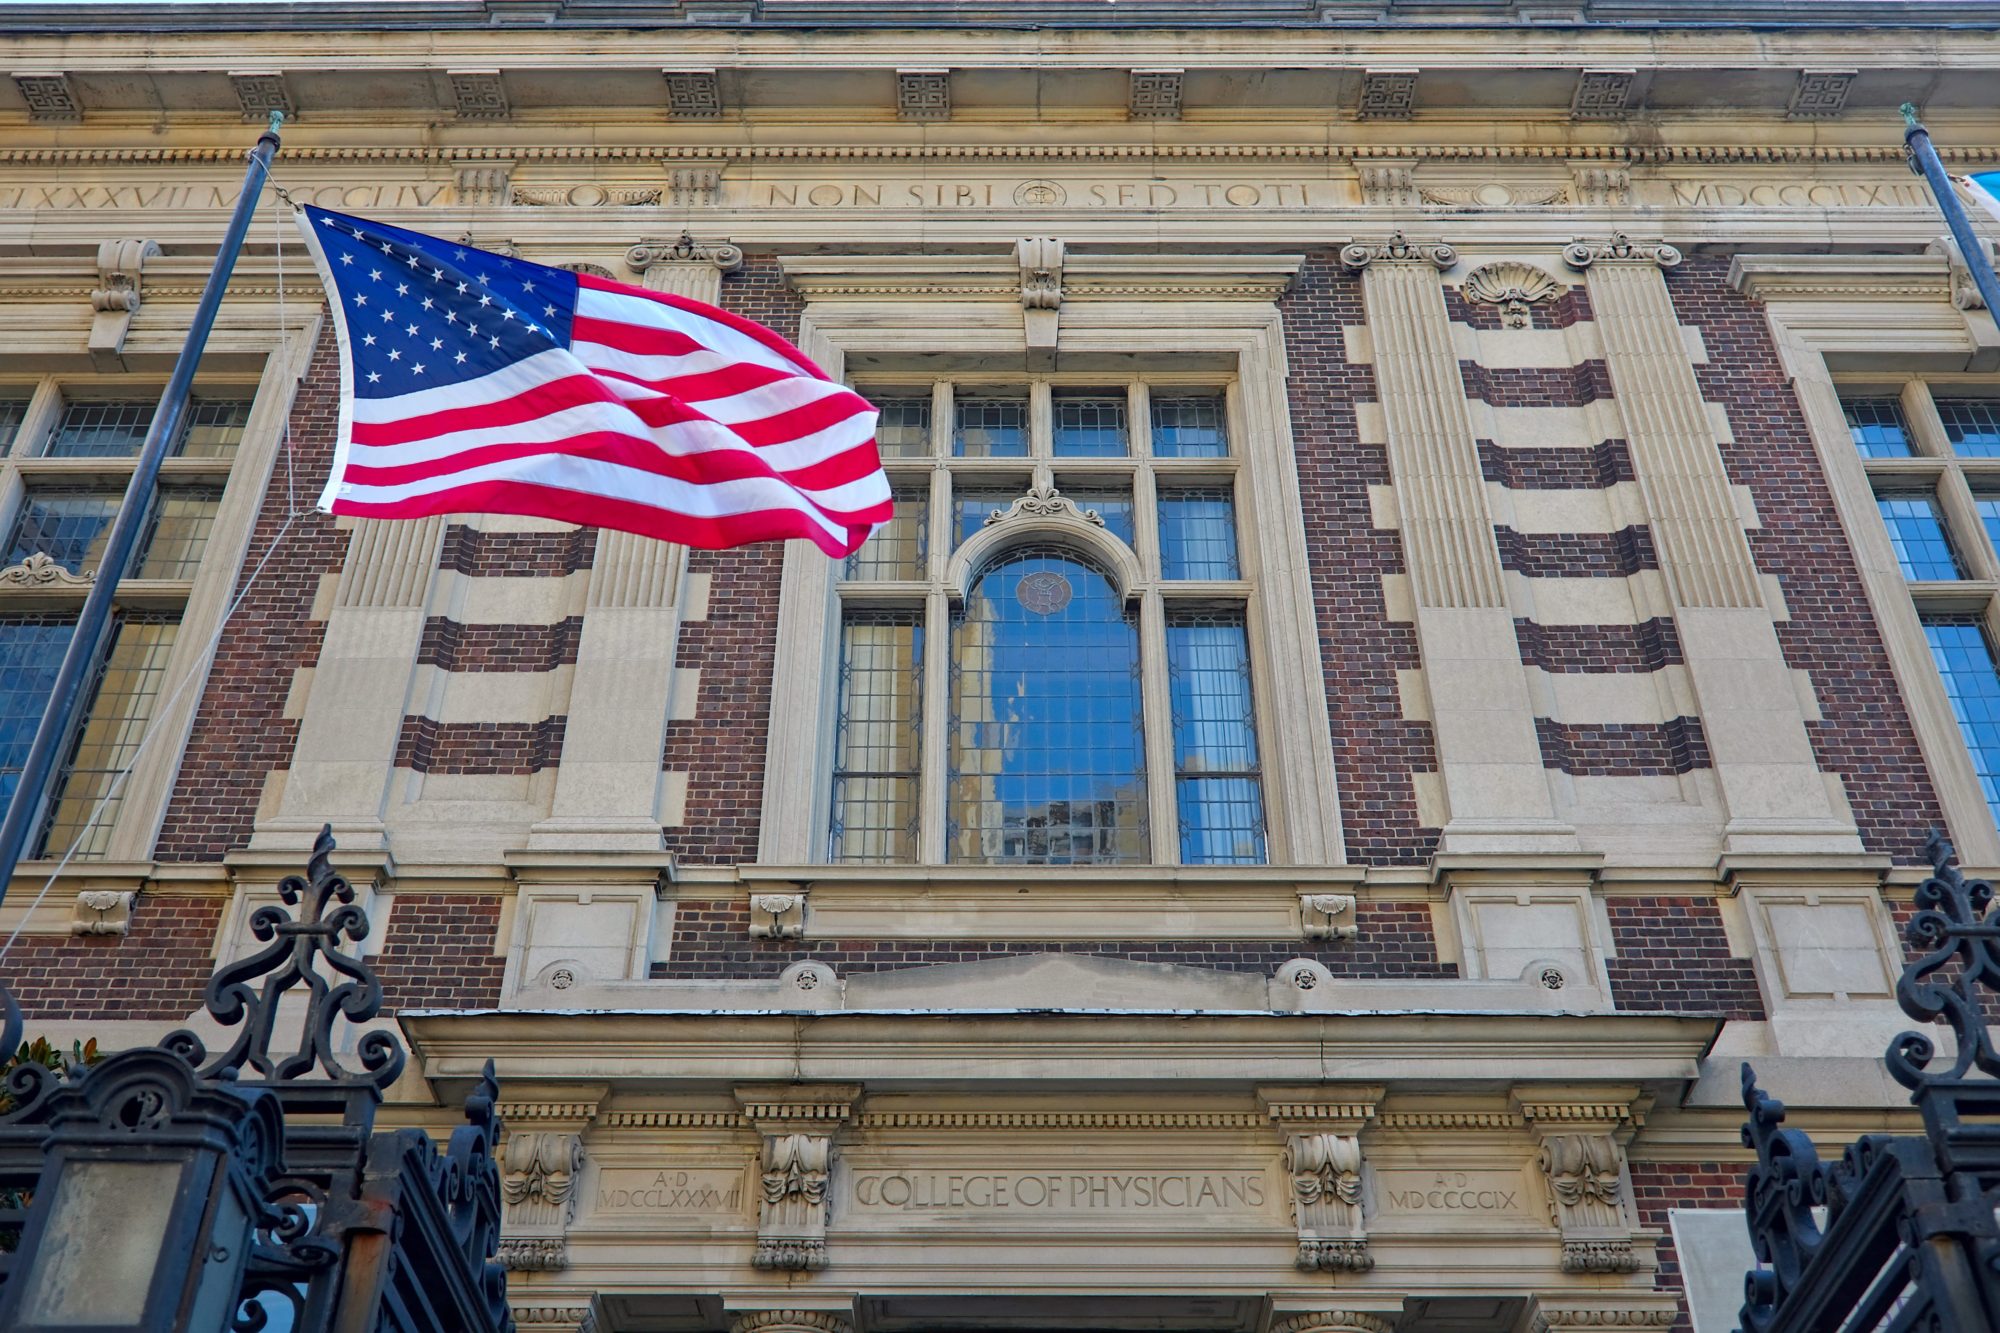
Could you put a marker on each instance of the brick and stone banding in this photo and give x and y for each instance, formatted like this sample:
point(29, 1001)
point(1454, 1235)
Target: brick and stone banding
point(1623, 749)
point(1600, 649)
point(428, 746)
point(477, 554)
point(1537, 386)
point(1540, 468)
point(452, 646)
point(1577, 555)
point(1673, 956)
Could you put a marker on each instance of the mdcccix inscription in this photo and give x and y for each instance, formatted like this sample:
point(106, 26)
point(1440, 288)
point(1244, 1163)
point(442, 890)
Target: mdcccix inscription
point(1451, 1192)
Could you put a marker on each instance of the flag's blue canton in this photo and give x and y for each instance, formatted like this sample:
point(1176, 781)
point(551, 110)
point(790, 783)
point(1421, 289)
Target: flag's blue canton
point(422, 311)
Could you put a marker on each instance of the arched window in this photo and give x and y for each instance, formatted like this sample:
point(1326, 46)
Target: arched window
point(1045, 658)
point(1047, 745)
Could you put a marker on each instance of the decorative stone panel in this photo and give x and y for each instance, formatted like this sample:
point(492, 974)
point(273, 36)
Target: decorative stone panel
point(261, 94)
point(923, 94)
point(1820, 94)
point(693, 94)
point(50, 97)
point(1603, 94)
point(1387, 94)
point(479, 94)
point(1155, 94)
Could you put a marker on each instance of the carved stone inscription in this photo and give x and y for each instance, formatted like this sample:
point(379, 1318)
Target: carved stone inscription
point(1456, 1194)
point(645, 1192)
point(989, 1192)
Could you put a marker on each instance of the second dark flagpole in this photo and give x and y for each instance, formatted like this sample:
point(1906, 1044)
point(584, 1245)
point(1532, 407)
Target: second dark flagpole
point(1925, 162)
point(86, 643)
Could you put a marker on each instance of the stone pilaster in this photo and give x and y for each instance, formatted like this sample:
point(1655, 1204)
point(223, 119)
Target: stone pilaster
point(610, 791)
point(346, 752)
point(1494, 788)
point(1755, 723)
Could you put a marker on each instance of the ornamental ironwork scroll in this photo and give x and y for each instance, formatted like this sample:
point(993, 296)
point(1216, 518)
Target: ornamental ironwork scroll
point(351, 1227)
point(1910, 1238)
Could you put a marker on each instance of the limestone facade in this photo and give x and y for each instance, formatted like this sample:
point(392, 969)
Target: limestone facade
point(1597, 705)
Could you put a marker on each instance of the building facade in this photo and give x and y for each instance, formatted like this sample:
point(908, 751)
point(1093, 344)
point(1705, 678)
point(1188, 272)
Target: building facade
point(1445, 565)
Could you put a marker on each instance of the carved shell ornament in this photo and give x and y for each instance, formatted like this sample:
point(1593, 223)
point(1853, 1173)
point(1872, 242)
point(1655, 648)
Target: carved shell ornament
point(1513, 286)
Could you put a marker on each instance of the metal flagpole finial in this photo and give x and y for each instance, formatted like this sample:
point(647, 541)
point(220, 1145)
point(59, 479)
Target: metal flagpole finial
point(1910, 122)
point(278, 120)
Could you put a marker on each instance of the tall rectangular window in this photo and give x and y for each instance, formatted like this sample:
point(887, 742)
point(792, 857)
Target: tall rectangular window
point(1189, 426)
point(904, 428)
point(1216, 773)
point(1965, 662)
point(990, 427)
point(31, 649)
point(1198, 534)
point(121, 706)
point(878, 738)
point(12, 412)
point(1917, 532)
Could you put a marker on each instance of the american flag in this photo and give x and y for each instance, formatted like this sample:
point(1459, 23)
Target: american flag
point(476, 383)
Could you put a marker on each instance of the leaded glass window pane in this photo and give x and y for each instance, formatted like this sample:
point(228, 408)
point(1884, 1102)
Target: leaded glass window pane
point(182, 518)
point(971, 507)
point(1198, 534)
point(878, 738)
point(1972, 425)
point(31, 649)
point(1090, 425)
point(904, 430)
point(100, 430)
point(69, 526)
point(128, 687)
point(1916, 530)
point(990, 427)
point(1114, 506)
point(1217, 779)
point(897, 549)
point(214, 428)
point(1189, 426)
point(12, 412)
point(1964, 660)
point(1047, 753)
point(1878, 427)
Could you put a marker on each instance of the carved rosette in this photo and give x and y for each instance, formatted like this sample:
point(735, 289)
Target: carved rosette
point(1326, 1202)
point(791, 1222)
point(1581, 254)
point(1513, 286)
point(1398, 249)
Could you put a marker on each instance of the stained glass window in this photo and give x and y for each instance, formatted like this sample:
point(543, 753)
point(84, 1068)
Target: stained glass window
point(1090, 425)
point(1189, 426)
point(1047, 754)
point(990, 427)
point(904, 430)
point(897, 549)
point(31, 648)
point(1198, 534)
point(1972, 425)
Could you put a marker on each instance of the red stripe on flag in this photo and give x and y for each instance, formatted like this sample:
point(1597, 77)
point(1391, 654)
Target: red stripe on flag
point(743, 326)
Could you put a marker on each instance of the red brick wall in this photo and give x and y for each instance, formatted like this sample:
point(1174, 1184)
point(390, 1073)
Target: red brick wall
point(516, 554)
point(451, 646)
point(239, 735)
point(1375, 749)
point(735, 648)
point(1660, 1187)
point(428, 746)
point(1865, 734)
point(438, 953)
point(155, 972)
point(1623, 749)
point(712, 939)
point(1673, 957)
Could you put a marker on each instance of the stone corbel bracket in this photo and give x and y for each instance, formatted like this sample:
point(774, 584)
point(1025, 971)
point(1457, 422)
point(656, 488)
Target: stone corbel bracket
point(1398, 249)
point(1583, 1135)
point(1328, 916)
point(798, 1124)
point(1041, 261)
point(1322, 1132)
point(484, 184)
point(778, 916)
point(102, 912)
point(541, 1169)
point(1964, 291)
point(121, 268)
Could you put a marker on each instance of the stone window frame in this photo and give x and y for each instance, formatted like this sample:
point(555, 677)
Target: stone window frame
point(1844, 325)
point(1224, 342)
point(199, 602)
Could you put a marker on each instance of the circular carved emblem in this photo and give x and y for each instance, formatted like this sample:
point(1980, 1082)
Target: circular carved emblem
point(1043, 592)
point(1552, 979)
point(562, 978)
point(1040, 194)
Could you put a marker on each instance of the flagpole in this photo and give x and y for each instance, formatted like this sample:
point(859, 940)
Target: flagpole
point(80, 659)
point(1924, 161)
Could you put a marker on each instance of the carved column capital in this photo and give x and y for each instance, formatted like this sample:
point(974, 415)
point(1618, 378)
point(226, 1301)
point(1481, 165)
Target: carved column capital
point(539, 1170)
point(720, 255)
point(1398, 249)
point(1581, 253)
point(1582, 1158)
point(1322, 1128)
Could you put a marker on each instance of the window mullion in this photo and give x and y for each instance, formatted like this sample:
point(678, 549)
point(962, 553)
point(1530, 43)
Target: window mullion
point(1961, 517)
point(936, 722)
point(1042, 430)
point(1927, 435)
point(1163, 808)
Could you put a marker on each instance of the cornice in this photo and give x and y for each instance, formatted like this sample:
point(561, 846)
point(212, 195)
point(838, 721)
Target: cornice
point(997, 277)
point(1841, 277)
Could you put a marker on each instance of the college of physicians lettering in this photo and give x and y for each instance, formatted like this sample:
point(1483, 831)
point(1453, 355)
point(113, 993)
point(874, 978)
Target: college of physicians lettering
point(1056, 1191)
